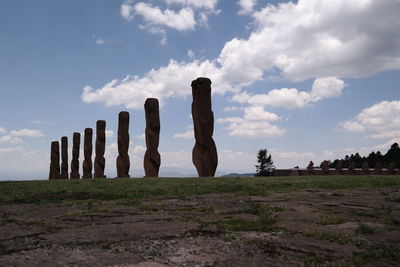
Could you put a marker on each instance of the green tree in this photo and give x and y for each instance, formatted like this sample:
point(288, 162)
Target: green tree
point(266, 165)
point(393, 155)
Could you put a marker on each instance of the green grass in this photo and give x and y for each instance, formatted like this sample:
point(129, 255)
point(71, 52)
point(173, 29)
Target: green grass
point(364, 229)
point(136, 189)
point(239, 224)
point(264, 222)
point(384, 212)
point(255, 241)
point(127, 202)
point(259, 209)
point(208, 210)
point(148, 207)
point(227, 237)
point(332, 237)
point(386, 252)
point(337, 194)
point(394, 199)
point(332, 220)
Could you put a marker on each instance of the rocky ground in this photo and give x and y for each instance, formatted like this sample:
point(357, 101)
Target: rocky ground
point(304, 227)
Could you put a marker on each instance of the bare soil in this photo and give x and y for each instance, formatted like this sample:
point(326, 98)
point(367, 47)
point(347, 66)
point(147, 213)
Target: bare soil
point(304, 227)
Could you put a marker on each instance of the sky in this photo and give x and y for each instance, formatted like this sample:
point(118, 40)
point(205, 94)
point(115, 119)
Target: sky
point(307, 80)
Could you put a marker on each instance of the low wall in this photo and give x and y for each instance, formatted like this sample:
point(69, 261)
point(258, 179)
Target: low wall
point(305, 172)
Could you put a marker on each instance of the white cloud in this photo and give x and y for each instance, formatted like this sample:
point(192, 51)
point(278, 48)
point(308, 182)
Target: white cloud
point(387, 135)
point(38, 122)
point(284, 97)
point(2, 130)
point(10, 139)
point(302, 40)
point(202, 8)
point(190, 53)
point(136, 154)
point(157, 31)
point(100, 41)
point(246, 6)
point(139, 149)
point(234, 161)
point(171, 81)
point(189, 134)
point(179, 159)
point(311, 39)
point(352, 126)
point(35, 163)
point(254, 129)
point(292, 98)
point(255, 123)
point(381, 119)
point(230, 108)
point(228, 160)
point(174, 80)
point(110, 155)
point(230, 154)
point(282, 159)
point(190, 14)
point(290, 159)
point(109, 133)
point(292, 155)
point(382, 147)
point(208, 4)
point(27, 132)
point(11, 149)
point(142, 136)
point(182, 20)
point(127, 10)
point(258, 113)
point(329, 155)
point(203, 19)
point(326, 87)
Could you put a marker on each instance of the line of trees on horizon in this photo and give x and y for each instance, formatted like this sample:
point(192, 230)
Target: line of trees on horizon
point(391, 156)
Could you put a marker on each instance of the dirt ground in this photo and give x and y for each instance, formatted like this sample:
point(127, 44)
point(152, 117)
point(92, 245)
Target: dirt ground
point(306, 227)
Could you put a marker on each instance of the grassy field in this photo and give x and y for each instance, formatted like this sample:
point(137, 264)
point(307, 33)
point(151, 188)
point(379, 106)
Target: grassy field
point(268, 221)
point(135, 189)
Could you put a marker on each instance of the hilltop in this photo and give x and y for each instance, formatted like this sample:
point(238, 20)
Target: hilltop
point(349, 220)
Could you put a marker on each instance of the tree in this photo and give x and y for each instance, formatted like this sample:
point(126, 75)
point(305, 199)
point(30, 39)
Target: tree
point(372, 159)
point(266, 165)
point(392, 156)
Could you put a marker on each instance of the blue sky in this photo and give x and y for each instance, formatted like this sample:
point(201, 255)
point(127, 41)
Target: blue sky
point(308, 80)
